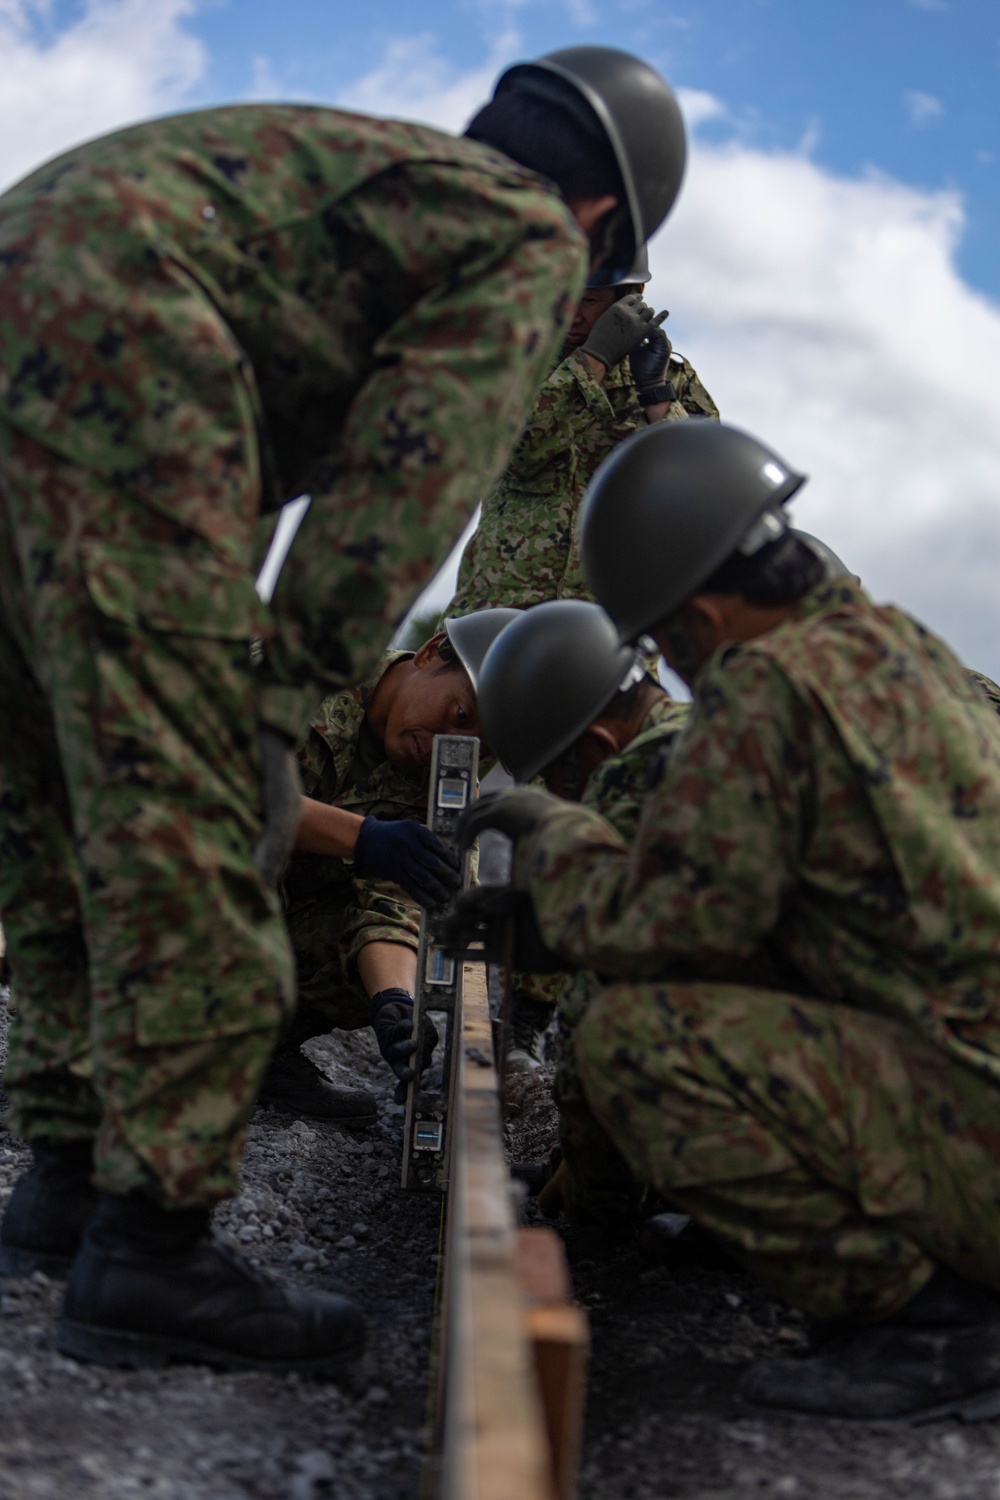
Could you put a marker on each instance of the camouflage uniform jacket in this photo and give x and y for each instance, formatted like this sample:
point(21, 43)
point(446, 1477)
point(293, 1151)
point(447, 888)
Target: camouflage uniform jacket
point(829, 824)
point(211, 313)
point(526, 547)
point(363, 911)
point(617, 791)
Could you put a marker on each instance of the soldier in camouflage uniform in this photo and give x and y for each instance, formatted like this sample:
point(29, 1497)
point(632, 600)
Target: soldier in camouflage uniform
point(199, 318)
point(526, 547)
point(799, 1039)
point(545, 694)
point(355, 935)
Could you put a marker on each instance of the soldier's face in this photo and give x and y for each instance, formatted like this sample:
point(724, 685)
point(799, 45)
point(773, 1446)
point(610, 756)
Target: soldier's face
point(431, 700)
point(589, 309)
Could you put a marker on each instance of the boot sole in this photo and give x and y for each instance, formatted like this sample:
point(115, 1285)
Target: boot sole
point(20, 1262)
point(148, 1351)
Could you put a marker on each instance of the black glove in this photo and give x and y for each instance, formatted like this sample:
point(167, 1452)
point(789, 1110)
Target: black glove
point(514, 813)
point(483, 916)
point(409, 854)
point(391, 1019)
point(281, 789)
point(617, 331)
point(648, 363)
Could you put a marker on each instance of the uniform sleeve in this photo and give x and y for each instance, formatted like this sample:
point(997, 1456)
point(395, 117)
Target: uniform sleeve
point(379, 913)
point(719, 843)
point(454, 378)
point(569, 403)
point(691, 394)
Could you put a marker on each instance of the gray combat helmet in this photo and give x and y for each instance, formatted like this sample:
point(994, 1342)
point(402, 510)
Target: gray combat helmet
point(545, 679)
point(639, 115)
point(834, 565)
point(668, 506)
point(471, 636)
point(639, 275)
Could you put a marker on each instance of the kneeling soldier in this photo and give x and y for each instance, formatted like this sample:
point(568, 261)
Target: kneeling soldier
point(798, 1042)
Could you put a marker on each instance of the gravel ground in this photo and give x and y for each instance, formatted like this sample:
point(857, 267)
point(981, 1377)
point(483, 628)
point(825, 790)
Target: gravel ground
point(663, 1418)
point(323, 1208)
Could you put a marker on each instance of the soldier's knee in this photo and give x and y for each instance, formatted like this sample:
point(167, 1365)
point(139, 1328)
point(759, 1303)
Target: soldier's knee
point(607, 1023)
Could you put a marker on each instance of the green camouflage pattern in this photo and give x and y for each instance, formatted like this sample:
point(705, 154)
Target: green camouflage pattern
point(150, 965)
point(331, 912)
point(526, 547)
point(595, 1183)
point(988, 686)
point(827, 829)
point(201, 317)
point(840, 1154)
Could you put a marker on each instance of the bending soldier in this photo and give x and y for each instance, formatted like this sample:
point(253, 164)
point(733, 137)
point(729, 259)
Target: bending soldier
point(798, 1041)
point(200, 318)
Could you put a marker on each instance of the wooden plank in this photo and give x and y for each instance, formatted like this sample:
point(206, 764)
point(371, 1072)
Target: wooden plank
point(560, 1339)
point(495, 1445)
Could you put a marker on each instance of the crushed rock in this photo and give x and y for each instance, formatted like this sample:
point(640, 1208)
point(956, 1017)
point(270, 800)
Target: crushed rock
point(322, 1208)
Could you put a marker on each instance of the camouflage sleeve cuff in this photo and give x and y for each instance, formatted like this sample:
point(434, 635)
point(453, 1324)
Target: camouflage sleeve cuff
point(545, 861)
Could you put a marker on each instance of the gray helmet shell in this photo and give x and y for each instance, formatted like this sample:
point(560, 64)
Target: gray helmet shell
point(545, 679)
point(667, 507)
point(639, 275)
point(642, 121)
point(834, 565)
point(471, 636)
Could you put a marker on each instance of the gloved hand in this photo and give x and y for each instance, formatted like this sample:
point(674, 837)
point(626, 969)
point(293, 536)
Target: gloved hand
point(617, 331)
point(483, 915)
point(411, 855)
point(648, 363)
point(281, 787)
point(391, 1019)
point(514, 813)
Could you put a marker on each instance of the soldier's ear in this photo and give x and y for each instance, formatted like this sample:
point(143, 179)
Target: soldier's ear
point(602, 738)
point(427, 655)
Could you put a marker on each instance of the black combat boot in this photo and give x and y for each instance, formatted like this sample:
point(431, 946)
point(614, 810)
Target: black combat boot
point(525, 1041)
point(294, 1084)
point(939, 1356)
point(42, 1227)
point(150, 1285)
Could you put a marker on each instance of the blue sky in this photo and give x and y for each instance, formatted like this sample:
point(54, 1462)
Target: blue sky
point(830, 268)
point(904, 88)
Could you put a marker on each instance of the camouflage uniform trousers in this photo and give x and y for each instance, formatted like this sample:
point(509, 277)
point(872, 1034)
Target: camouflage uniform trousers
point(151, 968)
point(839, 1153)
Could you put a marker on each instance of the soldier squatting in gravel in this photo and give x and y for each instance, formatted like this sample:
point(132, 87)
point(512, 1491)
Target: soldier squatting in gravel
point(355, 926)
point(199, 319)
point(798, 1038)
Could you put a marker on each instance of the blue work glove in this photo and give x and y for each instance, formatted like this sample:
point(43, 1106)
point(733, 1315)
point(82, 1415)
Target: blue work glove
point(412, 856)
point(391, 1019)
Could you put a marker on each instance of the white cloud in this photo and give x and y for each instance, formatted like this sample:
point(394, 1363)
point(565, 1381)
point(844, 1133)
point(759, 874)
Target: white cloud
point(414, 82)
point(121, 61)
point(922, 108)
point(827, 315)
